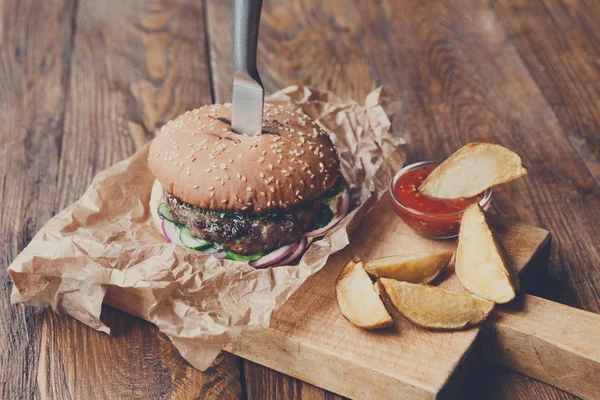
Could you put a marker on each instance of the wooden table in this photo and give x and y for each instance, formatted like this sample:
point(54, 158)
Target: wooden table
point(84, 83)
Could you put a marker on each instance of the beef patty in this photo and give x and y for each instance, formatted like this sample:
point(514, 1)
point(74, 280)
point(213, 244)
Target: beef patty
point(245, 233)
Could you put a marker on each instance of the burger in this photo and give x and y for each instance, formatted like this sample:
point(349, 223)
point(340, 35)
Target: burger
point(257, 199)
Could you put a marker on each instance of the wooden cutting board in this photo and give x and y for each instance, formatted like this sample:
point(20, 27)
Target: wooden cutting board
point(309, 339)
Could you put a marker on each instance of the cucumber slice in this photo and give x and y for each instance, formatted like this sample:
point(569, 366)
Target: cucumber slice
point(189, 240)
point(238, 257)
point(163, 211)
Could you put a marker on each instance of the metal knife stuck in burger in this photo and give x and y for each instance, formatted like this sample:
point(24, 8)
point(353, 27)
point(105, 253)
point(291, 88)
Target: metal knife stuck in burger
point(258, 199)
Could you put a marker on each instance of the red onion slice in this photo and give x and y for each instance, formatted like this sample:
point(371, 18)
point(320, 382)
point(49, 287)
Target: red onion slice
point(171, 232)
point(296, 253)
point(275, 256)
point(343, 208)
point(164, 231)
point(221, 254)
point(212, 250)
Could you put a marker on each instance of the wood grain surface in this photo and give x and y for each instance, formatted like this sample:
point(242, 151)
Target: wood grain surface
point(34, 64)
point(84, 83)
point(548, 341)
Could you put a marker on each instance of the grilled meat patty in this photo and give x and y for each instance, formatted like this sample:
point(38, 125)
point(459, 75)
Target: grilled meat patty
point(245, 233)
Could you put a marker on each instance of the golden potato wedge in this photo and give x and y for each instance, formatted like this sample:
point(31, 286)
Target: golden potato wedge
point(433, 307)
point(482, 265)
point(414, 268)
point(473, 169)
point(358, 301)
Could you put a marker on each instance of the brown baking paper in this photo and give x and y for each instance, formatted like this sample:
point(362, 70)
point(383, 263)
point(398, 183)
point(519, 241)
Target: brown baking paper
point(108, 238)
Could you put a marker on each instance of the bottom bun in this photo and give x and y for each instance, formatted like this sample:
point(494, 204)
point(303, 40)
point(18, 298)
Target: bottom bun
point(156, 197)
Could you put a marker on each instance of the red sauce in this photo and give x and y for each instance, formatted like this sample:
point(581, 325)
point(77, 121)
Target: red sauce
point(429, 216)
point(407, 192)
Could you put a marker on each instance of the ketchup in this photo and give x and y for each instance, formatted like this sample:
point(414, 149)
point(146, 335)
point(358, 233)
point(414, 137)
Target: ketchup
point(428, 216)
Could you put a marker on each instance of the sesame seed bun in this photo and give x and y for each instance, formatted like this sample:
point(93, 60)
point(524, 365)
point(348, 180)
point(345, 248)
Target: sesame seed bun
point(201, 161)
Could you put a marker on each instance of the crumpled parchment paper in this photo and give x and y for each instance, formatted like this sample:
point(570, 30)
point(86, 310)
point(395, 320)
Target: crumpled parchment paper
point(108, 238)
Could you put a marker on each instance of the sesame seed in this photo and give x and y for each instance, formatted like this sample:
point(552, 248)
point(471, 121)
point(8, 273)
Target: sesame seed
point(208, 169)
point(244, 208)
point(271, 167)
point(284, 171)
point(244, 179)
point(222, 166)
point(230, 161)
point(195, 186)
point(212, 194)
point(297, 192)
point(223, 201)
point(261, 159)
point(263, 194)
point(272, 189)
point(211, 188)
point(248, 189)
point(262, 175)
point(240, 156)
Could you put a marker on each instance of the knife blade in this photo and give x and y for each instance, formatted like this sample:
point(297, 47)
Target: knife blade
point(248, 92)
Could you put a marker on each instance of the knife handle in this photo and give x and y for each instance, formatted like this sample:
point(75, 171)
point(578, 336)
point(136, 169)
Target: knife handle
point(246, 20)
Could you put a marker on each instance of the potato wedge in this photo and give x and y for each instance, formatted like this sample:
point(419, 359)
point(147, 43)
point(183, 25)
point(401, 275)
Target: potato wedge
point(414, 268)
point(433, 307)
point(358, 301)
point(482, 265)
point(473, 169)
